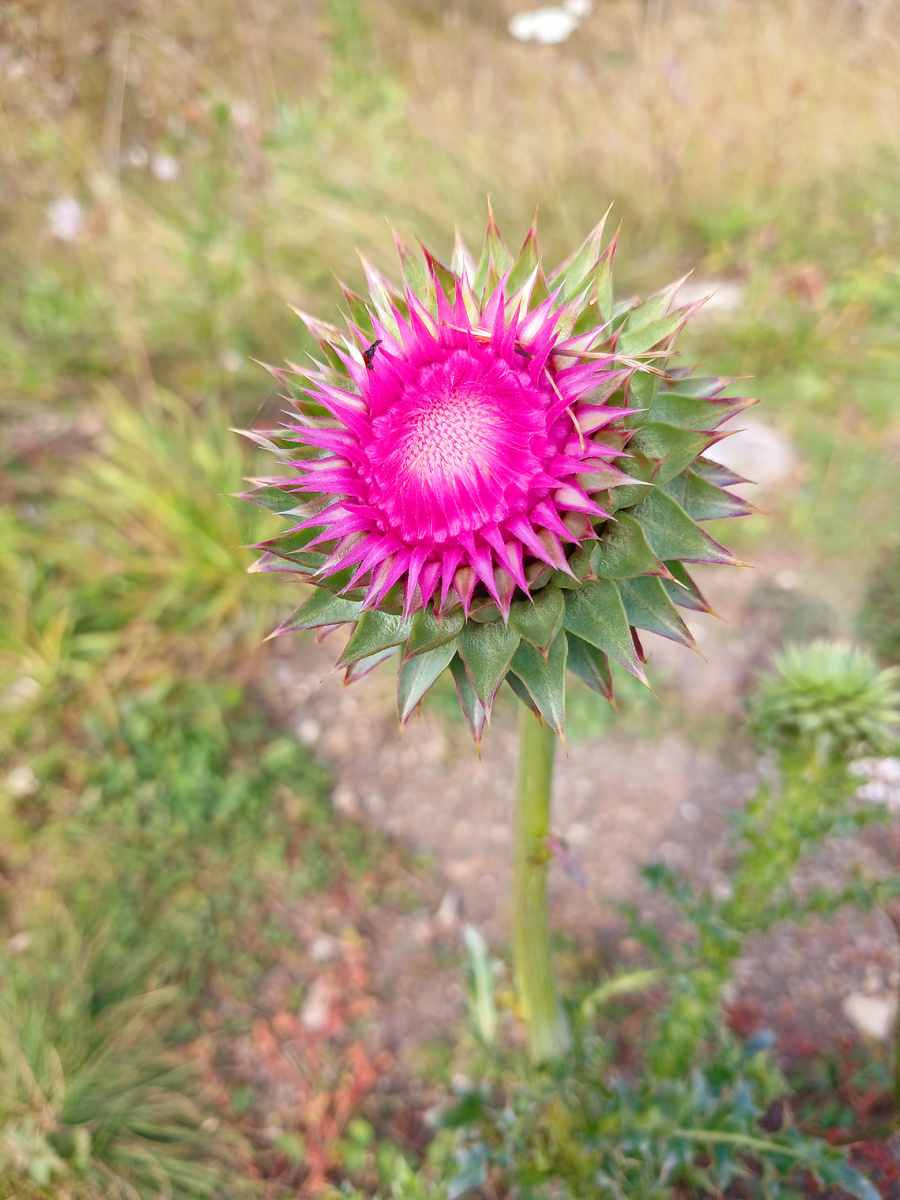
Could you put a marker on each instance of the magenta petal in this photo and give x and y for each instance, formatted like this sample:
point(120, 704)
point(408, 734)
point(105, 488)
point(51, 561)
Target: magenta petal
point(450, 459)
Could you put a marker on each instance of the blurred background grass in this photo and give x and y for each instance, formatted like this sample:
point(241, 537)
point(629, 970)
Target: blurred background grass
point(171, 176)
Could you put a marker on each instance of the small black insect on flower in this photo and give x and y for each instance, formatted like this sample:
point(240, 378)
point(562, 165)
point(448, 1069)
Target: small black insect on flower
point(369, 354)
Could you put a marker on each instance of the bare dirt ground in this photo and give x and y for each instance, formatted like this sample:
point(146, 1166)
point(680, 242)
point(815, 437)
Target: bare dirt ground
point(621, 800)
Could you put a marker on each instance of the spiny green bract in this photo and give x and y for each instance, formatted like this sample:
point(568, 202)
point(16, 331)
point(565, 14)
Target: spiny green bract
point(827, 701)
point(622, 571)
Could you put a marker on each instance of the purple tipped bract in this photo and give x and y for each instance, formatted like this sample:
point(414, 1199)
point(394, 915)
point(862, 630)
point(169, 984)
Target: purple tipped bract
point(457, 460)
point(458, 491)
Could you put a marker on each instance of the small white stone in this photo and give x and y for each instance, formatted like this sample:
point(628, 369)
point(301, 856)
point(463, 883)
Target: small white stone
point(578, 834)
point(548, 26)
point(165, 168)
point(22, 782)
point(19, 942)
point(756, 451)
point(309, 732)
point(345, 801)
point(374, 804)
point(672, 853)
point(22, 692)
point(873, 1016)
point(136, 156)
point(66, 218)
point(323, 948)
point(448, 911)
point(316, 1010)
point(722, 889)
point(721, 295)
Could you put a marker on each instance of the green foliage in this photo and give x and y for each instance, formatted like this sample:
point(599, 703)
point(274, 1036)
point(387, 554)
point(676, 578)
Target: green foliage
point(157, 498)
point(92, 1101)
point(827, 702)
point(188, 808)
point(879, 617)
point(824, 704)
point(591, 1132)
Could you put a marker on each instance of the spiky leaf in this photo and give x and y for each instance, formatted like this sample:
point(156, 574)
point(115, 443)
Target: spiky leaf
point(596, 614)
point(682, 590)
point(637, 336)
point(716, 473)
point(525, 263)
point(590, 665)
point(428, 632)
point(674, 449)
point(415, 273)
point(573, 274)
point(671, 533)
point(375, 631)
point(522, 692)
point(648, 606)
point(689, 412)
point(545, 679)
point(539, 620)
point(487, 651)
point(418, 674)
point(322, 608)
point(703, 501)
point(623, 552)
point(362, 666)
point(473, 710)
point(273, 498)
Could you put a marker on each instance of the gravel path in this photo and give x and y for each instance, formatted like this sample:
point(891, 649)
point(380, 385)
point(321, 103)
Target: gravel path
point(621, 800)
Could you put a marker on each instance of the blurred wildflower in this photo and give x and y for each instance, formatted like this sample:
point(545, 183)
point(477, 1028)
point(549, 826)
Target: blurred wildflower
point(66, 218)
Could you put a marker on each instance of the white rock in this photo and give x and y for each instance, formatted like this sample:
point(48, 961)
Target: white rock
point(309, 732)
point(883, 780)
point(873, 1016)
point(316, 1012)
point(724, 295)
point(757, 451)
point(165, 168)
point(549, 26)
point(136, 156)
point(22, 782)
point(345, 801)
point(66, 218)
point(323, 948)
point(22, 692)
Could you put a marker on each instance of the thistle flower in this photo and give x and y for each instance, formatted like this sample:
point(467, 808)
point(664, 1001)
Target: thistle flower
point(827, 701)
point(492, 471)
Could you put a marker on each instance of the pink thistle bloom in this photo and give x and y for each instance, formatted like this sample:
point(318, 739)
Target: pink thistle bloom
point(458, 479)
point(455, 463)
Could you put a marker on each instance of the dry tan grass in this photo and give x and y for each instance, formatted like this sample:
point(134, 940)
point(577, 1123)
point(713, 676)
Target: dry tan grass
point(705, 121)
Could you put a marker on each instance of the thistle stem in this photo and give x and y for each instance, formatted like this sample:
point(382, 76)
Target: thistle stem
point(548, 1029)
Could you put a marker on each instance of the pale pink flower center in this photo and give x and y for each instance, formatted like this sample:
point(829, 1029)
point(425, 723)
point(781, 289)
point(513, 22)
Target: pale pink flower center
point(462, 445)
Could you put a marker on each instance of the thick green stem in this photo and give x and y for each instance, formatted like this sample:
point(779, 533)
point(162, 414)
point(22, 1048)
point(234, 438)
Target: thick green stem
point(548, 1030)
